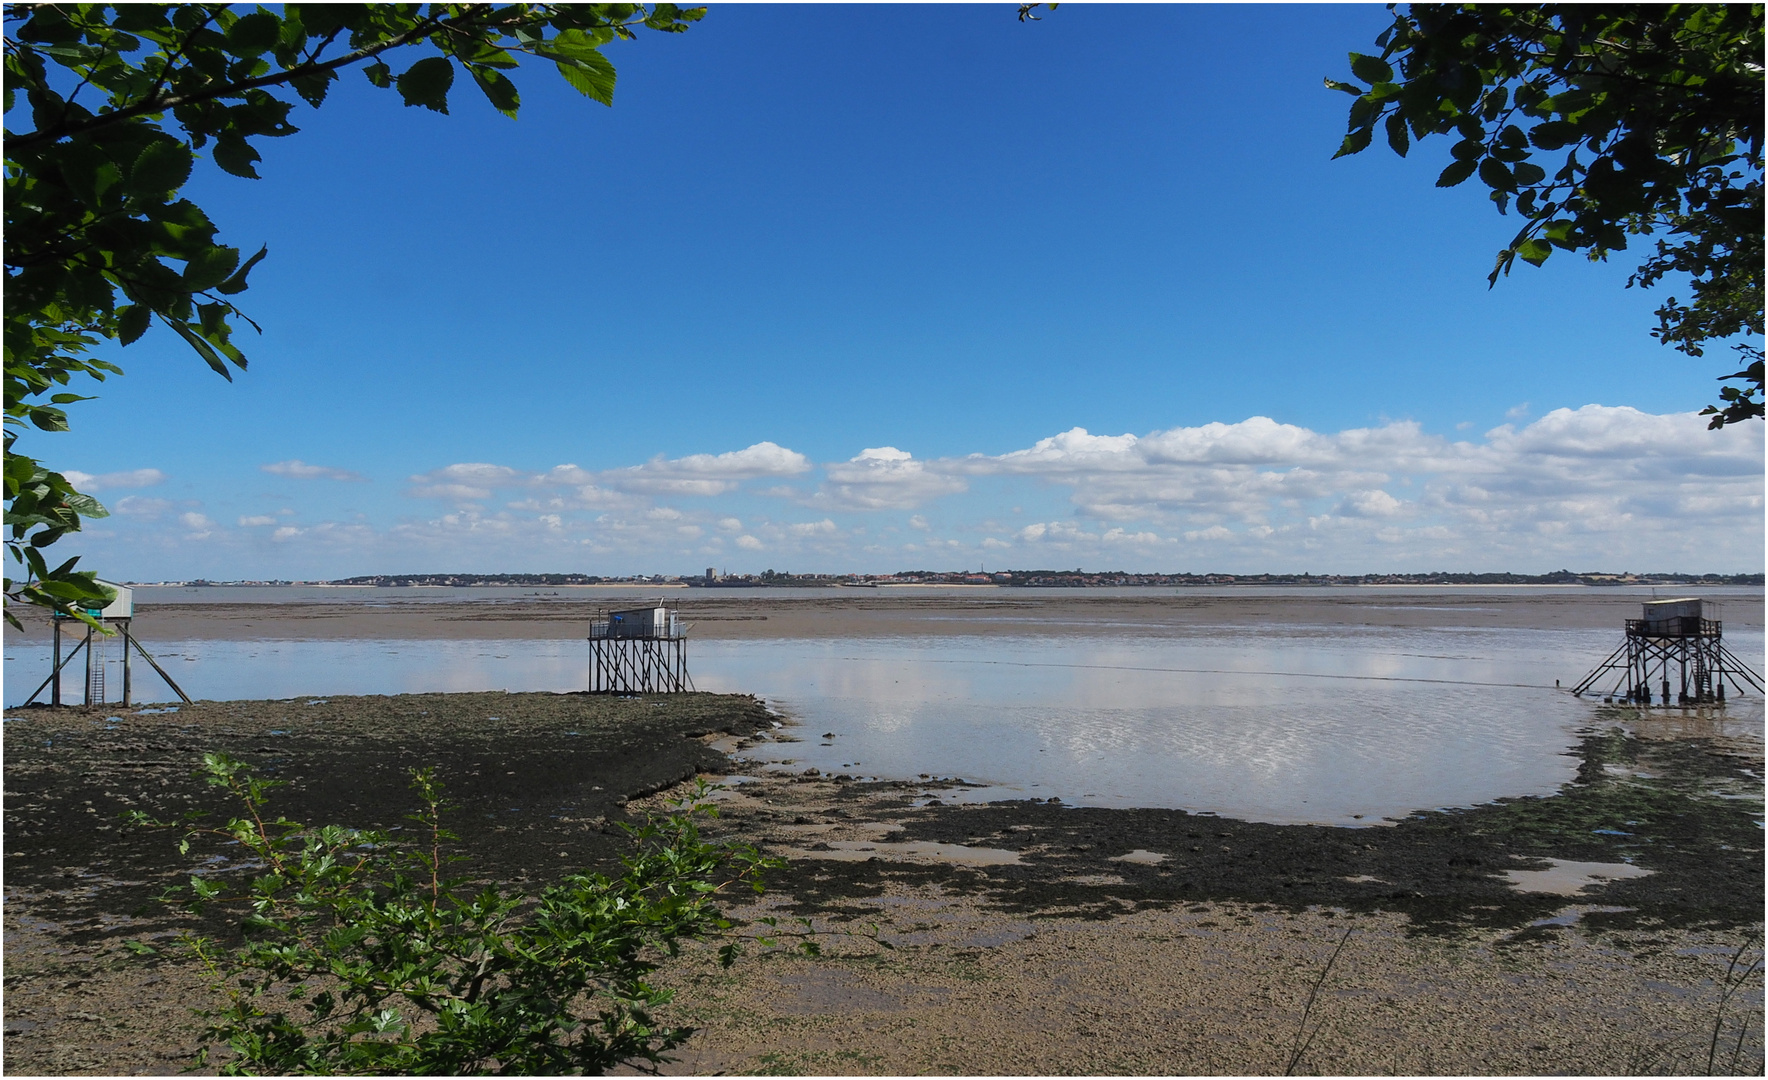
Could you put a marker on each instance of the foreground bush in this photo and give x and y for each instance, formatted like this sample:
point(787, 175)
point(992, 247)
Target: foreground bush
point(362, 955)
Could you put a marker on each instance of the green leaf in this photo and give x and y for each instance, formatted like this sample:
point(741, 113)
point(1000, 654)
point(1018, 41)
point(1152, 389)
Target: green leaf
point(313, 87)
point(254, 34)
point(203, 349)
point(1534, 251)
point(1496, 176)
point(1371, 69)
point(162, 167)
point(1528, 173)
point(1553, 134)
point(237, 282)
point(210, 267)
point(236, 155)
point(426, 83)
point(379, 74)
point(132, 321)
point(1397, 138)
point(591, 74)
point(1456, 173)
point(1356, 142)
point(498, 90)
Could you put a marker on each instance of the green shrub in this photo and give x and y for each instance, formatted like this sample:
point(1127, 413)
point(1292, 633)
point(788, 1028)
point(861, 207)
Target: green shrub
point(362, 955)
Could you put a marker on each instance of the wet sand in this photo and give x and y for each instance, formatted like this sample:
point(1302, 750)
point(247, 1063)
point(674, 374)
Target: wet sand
point(864, 613)
point(1029, 937)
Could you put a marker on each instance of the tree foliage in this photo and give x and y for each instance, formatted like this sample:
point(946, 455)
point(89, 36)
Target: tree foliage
point(363, 954)
point(108, 108)
point(1598, 124)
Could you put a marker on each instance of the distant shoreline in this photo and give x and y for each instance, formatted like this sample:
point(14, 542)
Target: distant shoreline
point(1093, 581)
point(889, 612)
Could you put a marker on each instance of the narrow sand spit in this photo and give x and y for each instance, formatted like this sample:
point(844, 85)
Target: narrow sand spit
point(1028, 937)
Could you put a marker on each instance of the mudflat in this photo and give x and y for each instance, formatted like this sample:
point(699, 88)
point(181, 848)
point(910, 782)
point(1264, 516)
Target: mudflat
point(1589, 931)
point(885, 612)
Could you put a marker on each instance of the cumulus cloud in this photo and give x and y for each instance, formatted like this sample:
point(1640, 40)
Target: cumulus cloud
point(299, 470)
point(885, 478)
point(1588, 487)
point(709, 474)
point(201, 528)
point(1543, 489)
point(694, 475)
point(132, 478)
point(1376, 503)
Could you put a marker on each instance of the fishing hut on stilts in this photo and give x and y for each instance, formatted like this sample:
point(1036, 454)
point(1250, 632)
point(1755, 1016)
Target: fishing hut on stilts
point(639, 651)
point(1675, 651)
point(119, 614)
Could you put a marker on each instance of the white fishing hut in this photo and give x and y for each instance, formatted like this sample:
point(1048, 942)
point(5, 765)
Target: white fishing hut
point(1673, 643)
point(638, 651)
point(118, 615)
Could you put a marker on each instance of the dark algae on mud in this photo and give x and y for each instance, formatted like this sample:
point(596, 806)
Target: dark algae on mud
point(1685, 809)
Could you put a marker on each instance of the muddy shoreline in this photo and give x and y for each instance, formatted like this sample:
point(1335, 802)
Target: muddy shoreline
point(1016, 896)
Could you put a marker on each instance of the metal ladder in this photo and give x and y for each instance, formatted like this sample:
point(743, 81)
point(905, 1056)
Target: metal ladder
point(95, 672)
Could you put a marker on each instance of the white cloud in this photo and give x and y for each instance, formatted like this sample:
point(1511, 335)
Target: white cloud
point(694, 475)
point(1585, 488)
point(1567, 487)
point(300, 470)
point(708, 474)
point(138, 506)
point(1376, 503)
point(133, 478)
point(884, 478)
point(201, 528)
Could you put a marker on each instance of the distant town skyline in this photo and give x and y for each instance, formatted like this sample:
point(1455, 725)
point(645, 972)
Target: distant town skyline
point(854, 289)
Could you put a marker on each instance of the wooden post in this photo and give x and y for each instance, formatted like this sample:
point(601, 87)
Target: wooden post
point(87, 697)
point(145, 655)
point(126, 684)
point(55, 671)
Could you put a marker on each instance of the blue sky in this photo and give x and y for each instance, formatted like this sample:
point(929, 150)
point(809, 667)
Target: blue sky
point(803, 234)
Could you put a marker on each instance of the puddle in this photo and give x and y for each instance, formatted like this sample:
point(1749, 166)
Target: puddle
point(1568, 878)
point(1141, 857)
point(908, 851)
point(1571, 915)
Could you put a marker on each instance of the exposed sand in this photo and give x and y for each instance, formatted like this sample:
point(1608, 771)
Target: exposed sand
point(1029, 937)
point(850, 613)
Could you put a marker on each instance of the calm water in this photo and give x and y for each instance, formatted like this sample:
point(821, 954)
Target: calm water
point(1273, 724)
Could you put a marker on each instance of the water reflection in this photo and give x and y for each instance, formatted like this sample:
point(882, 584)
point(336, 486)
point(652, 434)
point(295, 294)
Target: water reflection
point(1289, 724)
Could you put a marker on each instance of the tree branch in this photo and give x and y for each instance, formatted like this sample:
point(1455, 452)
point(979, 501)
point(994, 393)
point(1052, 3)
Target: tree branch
point(172, 101)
